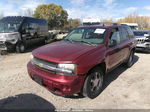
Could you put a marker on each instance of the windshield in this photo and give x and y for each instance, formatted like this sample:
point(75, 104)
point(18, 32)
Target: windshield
point(7, 27)
point(87, 35)
point(138, 33)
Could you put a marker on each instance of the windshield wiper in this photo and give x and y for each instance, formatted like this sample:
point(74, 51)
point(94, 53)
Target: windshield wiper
point(84, 42)
point(79, 41)
point(68, 40)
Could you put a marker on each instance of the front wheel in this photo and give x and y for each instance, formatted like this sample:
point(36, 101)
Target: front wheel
point(3, 52)
point(20, 47)
point(94, 83)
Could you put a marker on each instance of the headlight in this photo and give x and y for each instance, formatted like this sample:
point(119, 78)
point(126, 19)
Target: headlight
point(31, 57)
point(70, 68)
point(67, 66)
point(2, 38)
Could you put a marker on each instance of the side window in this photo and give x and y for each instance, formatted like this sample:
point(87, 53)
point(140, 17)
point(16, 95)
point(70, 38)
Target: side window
point(115, 35)
point(25, 27)
point(130, 32)
point(124, 33)
point(31, 26)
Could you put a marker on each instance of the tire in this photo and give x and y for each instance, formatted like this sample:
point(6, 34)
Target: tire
point(130, 60)
point(3, 52)
point(94, 82)
point(20, 47)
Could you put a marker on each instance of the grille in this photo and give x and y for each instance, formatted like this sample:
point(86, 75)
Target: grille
point(141, 40)
point(36, 61)
point(47, 62)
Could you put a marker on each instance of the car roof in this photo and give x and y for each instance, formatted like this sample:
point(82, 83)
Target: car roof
point(102, 26)
point(21, 18)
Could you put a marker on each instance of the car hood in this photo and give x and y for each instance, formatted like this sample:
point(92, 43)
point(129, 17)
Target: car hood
point(62, 51)
point(140, 37)
point(9, 36)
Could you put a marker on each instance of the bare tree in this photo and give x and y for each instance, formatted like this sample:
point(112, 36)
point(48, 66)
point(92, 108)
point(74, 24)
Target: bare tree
point(28, 12)
point(142, 21)
point(72, 23)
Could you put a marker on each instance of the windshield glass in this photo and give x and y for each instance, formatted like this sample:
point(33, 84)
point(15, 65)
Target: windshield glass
point(138, 33)
point(6, 27)
point(87, 35)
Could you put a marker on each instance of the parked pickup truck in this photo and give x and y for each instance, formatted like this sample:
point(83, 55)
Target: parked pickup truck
point(78, 63)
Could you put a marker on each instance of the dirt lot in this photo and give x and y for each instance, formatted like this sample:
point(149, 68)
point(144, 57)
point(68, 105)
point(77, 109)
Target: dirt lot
point(124, 88)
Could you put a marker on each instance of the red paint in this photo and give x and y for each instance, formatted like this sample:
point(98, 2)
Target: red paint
point(85, 56)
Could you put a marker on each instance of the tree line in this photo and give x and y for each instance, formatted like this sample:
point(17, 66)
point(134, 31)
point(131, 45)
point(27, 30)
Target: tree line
point(142, 21)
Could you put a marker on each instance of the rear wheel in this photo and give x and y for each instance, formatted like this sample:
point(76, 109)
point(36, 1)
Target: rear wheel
point(94, 83)
point(20, 47)
point(130, 60)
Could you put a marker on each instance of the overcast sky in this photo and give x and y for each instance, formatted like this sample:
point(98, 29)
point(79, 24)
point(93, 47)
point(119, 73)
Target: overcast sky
point(103, 9)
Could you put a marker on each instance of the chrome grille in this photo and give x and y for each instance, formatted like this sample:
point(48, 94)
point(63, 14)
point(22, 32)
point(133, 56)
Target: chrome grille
point(141, 40)
point(47, 62)
point(40, 62)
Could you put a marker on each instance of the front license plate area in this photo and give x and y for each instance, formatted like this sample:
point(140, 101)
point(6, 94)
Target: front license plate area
point(38, 79)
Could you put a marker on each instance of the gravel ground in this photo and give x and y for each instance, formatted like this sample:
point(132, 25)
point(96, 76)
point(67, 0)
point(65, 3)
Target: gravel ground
point(124, 88)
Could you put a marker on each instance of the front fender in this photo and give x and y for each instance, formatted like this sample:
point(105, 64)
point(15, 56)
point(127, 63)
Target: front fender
point(90, 60)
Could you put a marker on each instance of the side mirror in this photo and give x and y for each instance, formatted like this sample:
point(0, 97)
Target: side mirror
point(112, 43)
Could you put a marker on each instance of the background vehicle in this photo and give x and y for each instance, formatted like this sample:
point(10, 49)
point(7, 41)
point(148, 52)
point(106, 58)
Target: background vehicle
point(133, 26)
point(18, 32)
point(91, 21)
point(57, 34)
point(143, 40)
point(78, 63)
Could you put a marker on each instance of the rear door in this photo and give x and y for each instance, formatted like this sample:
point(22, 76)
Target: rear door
point(124, 43)
point(127, 41)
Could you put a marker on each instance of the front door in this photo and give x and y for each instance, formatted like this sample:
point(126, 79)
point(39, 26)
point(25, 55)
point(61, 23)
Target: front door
point(113, 54)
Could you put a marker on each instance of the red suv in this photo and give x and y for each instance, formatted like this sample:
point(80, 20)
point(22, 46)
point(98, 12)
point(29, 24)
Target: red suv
point(79, 62)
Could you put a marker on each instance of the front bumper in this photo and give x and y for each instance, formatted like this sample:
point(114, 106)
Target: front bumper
point(143, 46)
point(6, 46)
point(58, 84)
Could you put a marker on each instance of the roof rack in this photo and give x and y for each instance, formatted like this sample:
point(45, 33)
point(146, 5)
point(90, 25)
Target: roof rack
point(103, 24)
point(114, 23)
